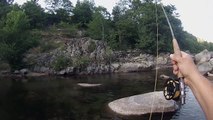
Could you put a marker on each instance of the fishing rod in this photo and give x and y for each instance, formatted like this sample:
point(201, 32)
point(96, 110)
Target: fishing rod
point(174, 88)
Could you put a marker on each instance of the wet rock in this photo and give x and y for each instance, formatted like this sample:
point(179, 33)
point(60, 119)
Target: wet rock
point(142, 104)
point(62, 72)
point(16, 72)
point(24, 71)
point(69, 70)
point(164, 77)
point(88, 85)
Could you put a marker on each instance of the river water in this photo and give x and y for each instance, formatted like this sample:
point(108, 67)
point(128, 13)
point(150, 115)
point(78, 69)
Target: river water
point(60, 98)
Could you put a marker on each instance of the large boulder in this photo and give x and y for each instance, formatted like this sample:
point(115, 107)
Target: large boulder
point(204, 61)
point(205, 67)
point(143, 104)
point(202, 57)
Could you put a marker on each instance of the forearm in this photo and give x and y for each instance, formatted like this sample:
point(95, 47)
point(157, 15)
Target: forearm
point(203, 91)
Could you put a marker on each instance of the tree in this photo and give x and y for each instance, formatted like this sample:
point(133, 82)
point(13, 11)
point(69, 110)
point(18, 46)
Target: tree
point(62, 16)
point(59, 11)
point(147, 28)
point(98, 28)
point(5, 7)
point(35, 14)
point(125, 30)
point(83, 12)
point(54, 5)
point(15, 39)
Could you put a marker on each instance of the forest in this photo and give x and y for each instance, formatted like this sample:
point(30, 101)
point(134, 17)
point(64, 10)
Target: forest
point(131, 25)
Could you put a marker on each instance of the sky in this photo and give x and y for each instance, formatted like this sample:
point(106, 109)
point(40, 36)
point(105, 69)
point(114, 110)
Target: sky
point(196, 15)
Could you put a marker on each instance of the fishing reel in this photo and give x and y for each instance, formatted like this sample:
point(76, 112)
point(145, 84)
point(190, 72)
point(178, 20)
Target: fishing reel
point(172, 89)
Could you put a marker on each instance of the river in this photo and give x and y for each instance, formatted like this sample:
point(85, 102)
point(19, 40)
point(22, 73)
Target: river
point(60, 98)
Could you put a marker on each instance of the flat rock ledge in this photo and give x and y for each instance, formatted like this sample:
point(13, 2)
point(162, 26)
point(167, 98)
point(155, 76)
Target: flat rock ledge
point(142, 104)
point(88, 85)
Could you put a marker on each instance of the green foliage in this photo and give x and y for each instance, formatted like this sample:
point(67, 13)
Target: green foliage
point(5, 8)
point(81, 61)
point(61, 62)
point(68, 29)
point(62, 15)
point(46, 47)
point(132, 26)
point(35, 14)
point(98, 28)
point(4, 66)
point(92, 46)
point(15, 39)
point(109, 55)
point(54, 5)
point(83, 12)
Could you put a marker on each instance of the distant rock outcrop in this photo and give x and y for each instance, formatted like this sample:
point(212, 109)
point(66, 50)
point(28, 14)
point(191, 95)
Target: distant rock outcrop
point(88, 56)
point(143, 104)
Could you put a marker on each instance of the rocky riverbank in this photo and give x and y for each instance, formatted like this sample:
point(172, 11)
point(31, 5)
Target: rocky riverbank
point(77, 56)
point(87, 56)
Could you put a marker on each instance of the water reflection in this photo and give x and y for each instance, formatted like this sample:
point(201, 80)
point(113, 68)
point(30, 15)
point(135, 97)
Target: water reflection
point(58, 98)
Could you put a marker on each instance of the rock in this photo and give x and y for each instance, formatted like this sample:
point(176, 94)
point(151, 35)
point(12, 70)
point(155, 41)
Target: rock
point(135, 67)
point(142, 104)
point(90, 56)
point(202, 57)
point(69, 70)
point(5, 72)
point(115, 67)
point(163, 59)
point(204, 67)
point(33, 74)
point(16, 72)
point(41, 69)
point(88, 85)
point(164, 77)
point(62, 72)
point(24, 71)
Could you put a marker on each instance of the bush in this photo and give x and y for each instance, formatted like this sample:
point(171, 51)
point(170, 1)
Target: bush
point(45, 47)
point(82, 62)
point(92, 46)
point(67, 29)
point(61, 62)
point(16, 39)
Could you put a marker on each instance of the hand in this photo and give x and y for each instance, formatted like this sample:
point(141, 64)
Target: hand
point(184, 65)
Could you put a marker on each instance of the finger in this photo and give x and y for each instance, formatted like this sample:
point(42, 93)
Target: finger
point(174, 62)
point(175, 72)
point(175, 57)
point(175, 67)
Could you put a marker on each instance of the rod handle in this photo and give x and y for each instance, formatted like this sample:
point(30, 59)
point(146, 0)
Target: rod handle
point(177, 52)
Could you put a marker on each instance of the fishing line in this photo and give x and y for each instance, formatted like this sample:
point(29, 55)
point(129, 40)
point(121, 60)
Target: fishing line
point(157, 55)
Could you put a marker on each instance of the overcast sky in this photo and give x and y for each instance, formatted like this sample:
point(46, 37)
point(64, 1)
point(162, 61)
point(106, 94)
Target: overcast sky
point(196, 15)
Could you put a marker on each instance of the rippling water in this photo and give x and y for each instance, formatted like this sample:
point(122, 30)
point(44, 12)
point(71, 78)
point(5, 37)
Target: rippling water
point(60, 98)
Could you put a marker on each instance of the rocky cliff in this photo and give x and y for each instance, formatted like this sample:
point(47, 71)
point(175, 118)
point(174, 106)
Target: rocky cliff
point(88, 56)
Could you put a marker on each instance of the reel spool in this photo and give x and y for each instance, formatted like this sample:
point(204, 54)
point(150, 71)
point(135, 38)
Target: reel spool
point(172, 89)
